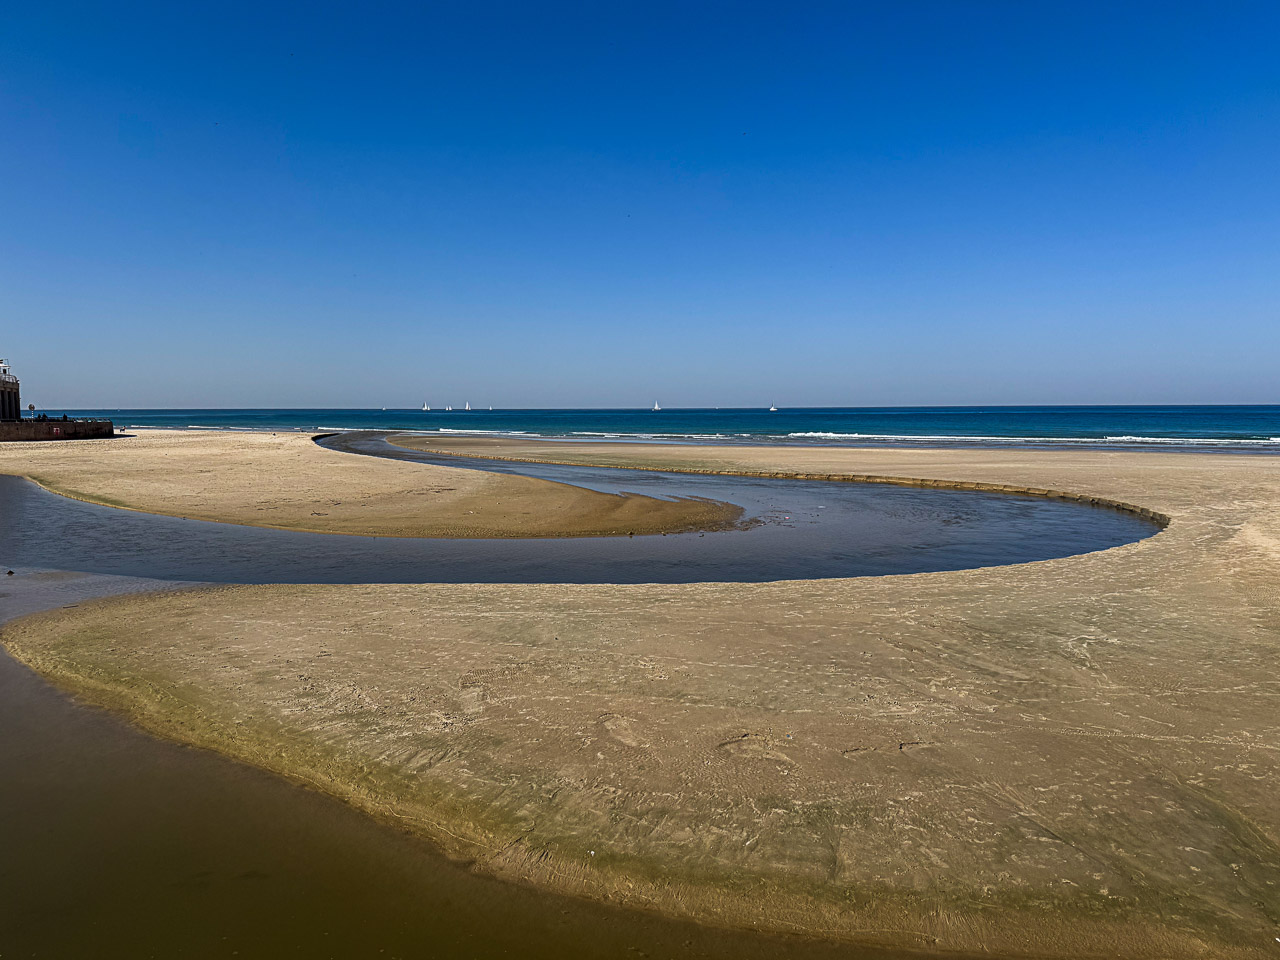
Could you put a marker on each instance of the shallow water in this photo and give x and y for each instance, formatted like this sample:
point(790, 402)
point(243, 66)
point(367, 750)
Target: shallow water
point(806, 529)
point(116, 844)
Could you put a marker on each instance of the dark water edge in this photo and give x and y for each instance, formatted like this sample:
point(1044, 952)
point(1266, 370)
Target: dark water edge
point(1224, 428)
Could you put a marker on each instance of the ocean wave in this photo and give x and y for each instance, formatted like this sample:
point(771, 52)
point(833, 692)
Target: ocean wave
point(945, 438)
point(1187, 440)
point(497, 433)
point(651, 436)
point(603, 435)
point(1258, 442)
point(934, 438)
point(820, 435)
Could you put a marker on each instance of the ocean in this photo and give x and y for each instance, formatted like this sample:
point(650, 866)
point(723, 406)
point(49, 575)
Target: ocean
point(1242, 428)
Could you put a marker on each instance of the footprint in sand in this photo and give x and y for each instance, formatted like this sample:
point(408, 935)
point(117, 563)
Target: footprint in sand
point(753, 746)
point(622, 729)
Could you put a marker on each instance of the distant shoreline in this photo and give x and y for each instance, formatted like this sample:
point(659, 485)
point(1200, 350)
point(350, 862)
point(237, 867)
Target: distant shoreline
point(1225, 428)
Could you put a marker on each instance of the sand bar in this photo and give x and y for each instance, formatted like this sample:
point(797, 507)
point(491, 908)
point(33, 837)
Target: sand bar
point(1076, 757)
point(285, 481)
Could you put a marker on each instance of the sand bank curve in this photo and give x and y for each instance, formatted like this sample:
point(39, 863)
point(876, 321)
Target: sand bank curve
point(1065, 758)
point(285, 481)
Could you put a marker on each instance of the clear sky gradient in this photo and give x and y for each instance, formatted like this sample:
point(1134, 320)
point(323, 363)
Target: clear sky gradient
point(600, 204)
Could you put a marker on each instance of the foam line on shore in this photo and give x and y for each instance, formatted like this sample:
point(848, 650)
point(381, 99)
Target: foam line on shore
point(796, 438)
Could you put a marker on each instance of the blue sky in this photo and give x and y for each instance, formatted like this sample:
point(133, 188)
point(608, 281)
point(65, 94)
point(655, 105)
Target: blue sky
point(596, 204)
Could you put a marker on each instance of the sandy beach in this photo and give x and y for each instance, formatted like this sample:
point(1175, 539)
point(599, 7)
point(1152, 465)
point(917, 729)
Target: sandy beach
point(1074, 757)
point(285, 481)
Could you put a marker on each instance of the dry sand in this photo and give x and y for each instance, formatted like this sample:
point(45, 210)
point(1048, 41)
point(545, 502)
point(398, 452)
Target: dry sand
point(285, 481)
point(1075, 757)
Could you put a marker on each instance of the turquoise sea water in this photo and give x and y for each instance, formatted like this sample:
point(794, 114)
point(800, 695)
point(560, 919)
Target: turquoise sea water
point(1254, 428)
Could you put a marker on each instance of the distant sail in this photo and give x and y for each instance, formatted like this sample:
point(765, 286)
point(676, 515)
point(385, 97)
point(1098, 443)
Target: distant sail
point(656, 408)
point(468, 406)
point(773, 408)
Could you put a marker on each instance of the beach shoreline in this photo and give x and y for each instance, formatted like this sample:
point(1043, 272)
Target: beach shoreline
point(1032, 760)
point(1195, 428)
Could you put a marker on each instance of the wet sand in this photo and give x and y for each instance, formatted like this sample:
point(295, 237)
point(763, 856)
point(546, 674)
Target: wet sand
point(284, 481)
point(122, 845)
point(1075, 757)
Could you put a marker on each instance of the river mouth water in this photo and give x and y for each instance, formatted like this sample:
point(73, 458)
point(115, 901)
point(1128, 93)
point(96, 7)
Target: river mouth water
point(116, 844)
point(797, 529)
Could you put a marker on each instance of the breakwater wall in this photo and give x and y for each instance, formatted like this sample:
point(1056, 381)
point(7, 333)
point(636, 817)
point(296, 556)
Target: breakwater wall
point(33, 429)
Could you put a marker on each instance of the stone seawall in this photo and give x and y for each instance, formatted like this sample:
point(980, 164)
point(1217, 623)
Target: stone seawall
point(16, 430)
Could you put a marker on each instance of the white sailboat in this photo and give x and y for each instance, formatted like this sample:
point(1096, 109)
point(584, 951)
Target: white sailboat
point(467, 406)
point(773, 408)
point(448, 409)
point(656, 408)
point(426, 408)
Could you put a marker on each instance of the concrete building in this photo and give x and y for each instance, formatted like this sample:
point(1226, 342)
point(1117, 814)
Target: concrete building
point(10, 397)
point(15, 427)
